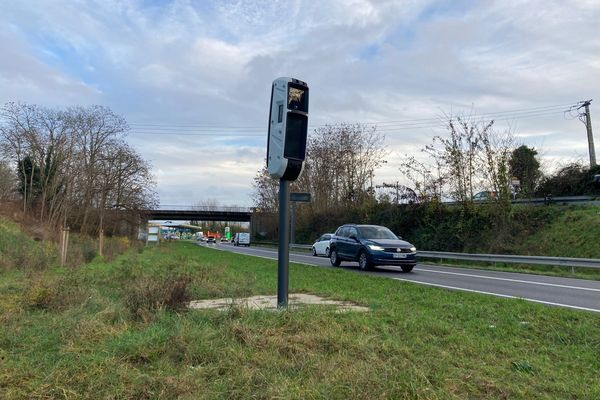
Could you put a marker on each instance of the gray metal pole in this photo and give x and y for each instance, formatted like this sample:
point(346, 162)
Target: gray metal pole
point(283, 254)
point(588, 126)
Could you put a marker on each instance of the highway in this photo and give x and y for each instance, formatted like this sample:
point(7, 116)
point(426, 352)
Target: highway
point(554, 291)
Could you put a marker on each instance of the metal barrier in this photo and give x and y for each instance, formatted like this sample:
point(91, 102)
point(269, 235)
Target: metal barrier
point(500, 258)
point(300, 246)
point(560, 200)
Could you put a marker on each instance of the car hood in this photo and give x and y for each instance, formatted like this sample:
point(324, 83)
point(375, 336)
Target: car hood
point(389, 242)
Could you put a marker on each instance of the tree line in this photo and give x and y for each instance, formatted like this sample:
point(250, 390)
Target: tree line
point(72, 166)
point(472, 157)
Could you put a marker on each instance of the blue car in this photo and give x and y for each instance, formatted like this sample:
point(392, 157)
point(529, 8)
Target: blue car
point(371, 245)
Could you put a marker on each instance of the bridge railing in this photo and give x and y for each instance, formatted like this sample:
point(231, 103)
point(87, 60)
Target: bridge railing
point(169, 207)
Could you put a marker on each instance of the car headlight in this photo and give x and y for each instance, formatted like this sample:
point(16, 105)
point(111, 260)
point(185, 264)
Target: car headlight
point(375, 247)
point(413, 249)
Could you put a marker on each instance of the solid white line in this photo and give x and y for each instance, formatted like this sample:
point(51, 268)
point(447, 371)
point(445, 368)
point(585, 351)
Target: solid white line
point(265, 257)
point(510, 280)
point(449, 287)
point(498, 295)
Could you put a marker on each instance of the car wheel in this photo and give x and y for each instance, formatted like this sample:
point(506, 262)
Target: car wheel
point(327, 252)
point(407, 268)
point(363, 261)
point(314, 251)
point(334, 259)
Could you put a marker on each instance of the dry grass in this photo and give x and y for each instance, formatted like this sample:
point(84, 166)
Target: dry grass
point(417, 342)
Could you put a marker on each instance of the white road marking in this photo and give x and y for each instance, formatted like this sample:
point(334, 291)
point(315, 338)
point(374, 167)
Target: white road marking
point(510, 280)
point(463, 289)
point(498, 295)
point(265, 257)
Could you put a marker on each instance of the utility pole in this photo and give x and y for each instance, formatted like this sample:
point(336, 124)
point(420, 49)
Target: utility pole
point(588, 127)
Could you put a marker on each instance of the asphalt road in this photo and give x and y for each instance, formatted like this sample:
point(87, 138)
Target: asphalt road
point(555, 291)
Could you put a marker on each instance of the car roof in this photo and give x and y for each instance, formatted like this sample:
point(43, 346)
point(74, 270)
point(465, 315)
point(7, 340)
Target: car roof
point(364, 225)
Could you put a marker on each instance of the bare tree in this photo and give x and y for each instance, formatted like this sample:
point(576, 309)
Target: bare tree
point(94, 129)
point(208, 204)
point(339, 168)
point(341, 160)
point(73, 164)
point(265, 194)
point(37, 140)
point(472, 157)
point(495, 155)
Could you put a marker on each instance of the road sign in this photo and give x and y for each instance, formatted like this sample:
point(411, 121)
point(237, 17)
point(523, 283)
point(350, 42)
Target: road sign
point(302, 197)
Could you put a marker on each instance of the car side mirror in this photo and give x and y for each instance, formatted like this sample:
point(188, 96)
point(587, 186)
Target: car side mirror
point(353, 236)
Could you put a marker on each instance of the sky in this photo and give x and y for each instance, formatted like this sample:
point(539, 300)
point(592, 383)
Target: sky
point(193, 78)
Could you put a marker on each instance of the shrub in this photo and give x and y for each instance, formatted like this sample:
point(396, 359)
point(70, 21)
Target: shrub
point(572, 180)
point(39, 296)
point(53, 295)
point(114, 246)
point(149, 294)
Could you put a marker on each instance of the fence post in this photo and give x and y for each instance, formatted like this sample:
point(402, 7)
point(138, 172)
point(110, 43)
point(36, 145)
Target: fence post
point(101, 244)
point(64, 246)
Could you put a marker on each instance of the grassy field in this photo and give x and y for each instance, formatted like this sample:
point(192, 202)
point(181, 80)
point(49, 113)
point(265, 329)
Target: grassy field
point(118, 330)
point(574, 233)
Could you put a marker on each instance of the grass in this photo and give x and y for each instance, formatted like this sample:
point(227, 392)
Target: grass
point(574, 233)
point(568, 232)
point(80, 337)
point(17, 250)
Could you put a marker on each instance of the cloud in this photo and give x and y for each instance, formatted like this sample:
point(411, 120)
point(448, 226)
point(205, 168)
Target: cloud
point(211, 63)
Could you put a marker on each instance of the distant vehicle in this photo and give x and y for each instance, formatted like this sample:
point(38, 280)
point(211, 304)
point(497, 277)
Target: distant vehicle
point(211, 239)
point(371, 245)
point(321, 246)
point(241, 239)
point(171, 236)
point(485, 196)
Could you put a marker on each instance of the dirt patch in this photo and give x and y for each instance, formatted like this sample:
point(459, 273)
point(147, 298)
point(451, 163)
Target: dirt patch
point(295, 301)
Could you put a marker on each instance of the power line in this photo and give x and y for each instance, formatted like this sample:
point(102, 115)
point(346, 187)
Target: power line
point(384, 126)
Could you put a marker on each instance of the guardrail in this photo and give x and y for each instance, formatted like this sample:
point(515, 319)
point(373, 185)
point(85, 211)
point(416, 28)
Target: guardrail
point(560, 200)
point(300, 246)
point(571, 262)
point(513, 259)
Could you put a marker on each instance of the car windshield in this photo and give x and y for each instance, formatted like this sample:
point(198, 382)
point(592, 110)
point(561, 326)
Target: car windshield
point(376, 232)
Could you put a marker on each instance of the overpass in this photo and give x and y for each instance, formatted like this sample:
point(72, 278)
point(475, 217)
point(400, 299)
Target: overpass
point(194, 213)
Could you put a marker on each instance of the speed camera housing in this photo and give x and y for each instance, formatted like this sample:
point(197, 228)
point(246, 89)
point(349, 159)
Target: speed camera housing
point(288, 126)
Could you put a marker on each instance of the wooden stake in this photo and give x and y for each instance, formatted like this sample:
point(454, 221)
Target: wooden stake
point(101, 247)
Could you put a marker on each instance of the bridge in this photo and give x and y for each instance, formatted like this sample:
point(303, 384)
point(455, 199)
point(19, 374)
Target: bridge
point(199, 213)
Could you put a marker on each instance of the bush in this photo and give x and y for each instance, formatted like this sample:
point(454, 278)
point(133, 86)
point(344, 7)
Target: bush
point(149, 294)
point(572, 180)
point(52, 295)
point(39, 296)
point(114, 246)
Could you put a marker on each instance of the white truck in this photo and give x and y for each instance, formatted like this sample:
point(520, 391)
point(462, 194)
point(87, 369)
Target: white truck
point(241, 239)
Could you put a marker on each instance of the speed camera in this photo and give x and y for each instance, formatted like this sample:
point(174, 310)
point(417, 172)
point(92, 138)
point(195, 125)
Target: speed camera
point(288, 125)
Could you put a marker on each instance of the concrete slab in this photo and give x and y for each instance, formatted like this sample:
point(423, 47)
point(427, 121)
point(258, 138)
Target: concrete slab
point(295, 301)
